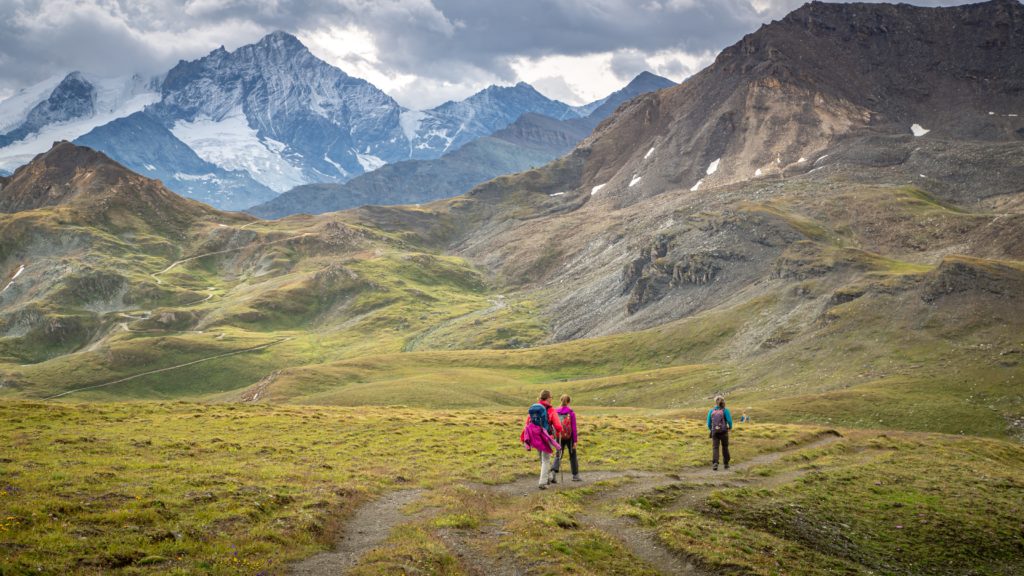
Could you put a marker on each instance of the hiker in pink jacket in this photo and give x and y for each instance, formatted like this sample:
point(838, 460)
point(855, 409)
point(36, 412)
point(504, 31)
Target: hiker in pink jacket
point(536, 438)
point(535, 435)
point(567, 439)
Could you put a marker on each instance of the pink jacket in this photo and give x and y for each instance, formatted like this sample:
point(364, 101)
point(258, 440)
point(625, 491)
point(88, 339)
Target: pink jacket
point(536, 437)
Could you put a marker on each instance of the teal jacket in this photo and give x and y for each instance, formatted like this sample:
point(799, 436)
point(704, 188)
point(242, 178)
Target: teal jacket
point(728, 418)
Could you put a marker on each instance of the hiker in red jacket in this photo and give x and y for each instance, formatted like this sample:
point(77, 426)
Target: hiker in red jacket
point(554, 429)
point(554, 426)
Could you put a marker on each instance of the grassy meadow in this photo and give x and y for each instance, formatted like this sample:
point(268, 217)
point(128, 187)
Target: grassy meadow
point(182, 488)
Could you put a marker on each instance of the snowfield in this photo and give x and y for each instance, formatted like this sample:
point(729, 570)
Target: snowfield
point(233, 145)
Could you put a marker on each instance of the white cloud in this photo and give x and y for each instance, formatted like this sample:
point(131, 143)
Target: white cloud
point(594, 76)
point(420, 51)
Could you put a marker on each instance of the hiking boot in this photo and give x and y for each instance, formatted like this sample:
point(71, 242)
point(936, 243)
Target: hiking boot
point(576, 478)
point(553, 480)
point(726, 466)
point(714, 466)
point(542, 487)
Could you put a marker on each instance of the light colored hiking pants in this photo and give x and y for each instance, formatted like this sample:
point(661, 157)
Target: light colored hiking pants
point(545, 466)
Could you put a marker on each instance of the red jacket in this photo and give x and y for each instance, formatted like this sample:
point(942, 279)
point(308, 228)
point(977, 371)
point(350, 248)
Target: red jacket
point(552, 417)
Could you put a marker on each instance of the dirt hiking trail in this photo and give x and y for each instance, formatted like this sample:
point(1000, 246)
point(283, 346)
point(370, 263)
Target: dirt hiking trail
point(370, 525)
point(367, 529)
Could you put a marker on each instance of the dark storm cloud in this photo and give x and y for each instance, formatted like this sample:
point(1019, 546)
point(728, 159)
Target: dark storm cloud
point(443, 40)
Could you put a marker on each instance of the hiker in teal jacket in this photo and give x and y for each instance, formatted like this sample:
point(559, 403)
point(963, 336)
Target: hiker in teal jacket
point(719, 424)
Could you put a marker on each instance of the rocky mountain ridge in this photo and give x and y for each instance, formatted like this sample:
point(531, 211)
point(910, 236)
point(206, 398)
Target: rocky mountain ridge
point(261, 119)
point(781, 97)
point(741, 147)
point(530, 141)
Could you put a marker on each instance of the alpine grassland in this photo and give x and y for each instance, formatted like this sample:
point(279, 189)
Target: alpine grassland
point(183, 488)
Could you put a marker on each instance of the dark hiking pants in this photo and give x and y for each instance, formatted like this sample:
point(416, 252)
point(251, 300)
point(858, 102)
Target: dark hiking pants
point(574, 465)
point(723, 439)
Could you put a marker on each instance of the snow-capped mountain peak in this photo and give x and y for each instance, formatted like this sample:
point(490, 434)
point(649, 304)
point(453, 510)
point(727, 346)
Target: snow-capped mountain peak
point(284, 102)
point(64, 109)
point(234, 126)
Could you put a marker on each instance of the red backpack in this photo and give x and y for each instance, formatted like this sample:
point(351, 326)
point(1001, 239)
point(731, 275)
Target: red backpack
point(566, 421)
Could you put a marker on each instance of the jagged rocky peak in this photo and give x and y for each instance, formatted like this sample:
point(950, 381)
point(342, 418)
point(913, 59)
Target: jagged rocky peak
point(280, 44)
point(224, 79)
point(281, 106)
point(74, 97)
point(278, 49)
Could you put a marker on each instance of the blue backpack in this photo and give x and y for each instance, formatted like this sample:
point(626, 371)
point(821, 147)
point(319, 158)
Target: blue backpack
point(539, 416)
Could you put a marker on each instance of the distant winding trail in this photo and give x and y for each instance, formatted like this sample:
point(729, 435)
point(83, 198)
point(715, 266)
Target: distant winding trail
point(169, 368)
point(156, 275)
point(496, 304)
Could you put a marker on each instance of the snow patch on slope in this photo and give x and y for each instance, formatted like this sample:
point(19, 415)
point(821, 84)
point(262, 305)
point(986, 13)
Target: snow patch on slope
point(15, 109)
point(597, 188)
point(341, 170)
point(13, 278)
point(918, 130)
point(649, 152)
point(369, 162)
point(636, 180)
point(713, 167)
point(233, 145)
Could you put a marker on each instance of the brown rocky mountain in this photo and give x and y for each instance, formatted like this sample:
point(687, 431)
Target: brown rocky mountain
point(782, 96)
point(794, 148)
point(95, 187)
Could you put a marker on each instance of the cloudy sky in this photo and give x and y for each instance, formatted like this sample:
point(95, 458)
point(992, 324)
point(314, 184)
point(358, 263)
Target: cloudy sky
point(422, 52)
